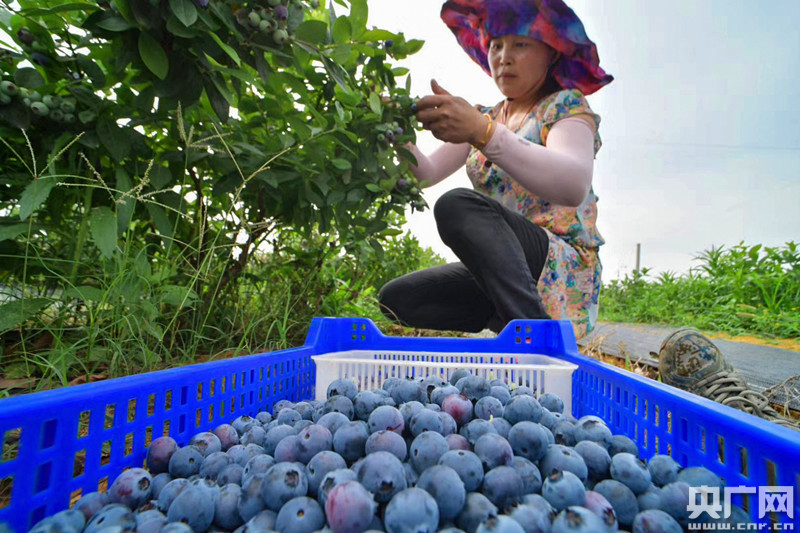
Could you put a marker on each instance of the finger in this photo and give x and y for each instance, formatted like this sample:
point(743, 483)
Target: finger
point(432, 114)
point(430, 102)
point(437, 89)
point(426, 115)
point(429, 121)
point(426, 124)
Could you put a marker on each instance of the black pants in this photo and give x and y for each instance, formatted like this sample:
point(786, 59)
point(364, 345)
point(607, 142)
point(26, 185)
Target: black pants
point(502, 255)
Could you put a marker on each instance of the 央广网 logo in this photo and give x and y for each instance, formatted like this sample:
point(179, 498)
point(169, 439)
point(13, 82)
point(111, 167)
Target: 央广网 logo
point(771, 499)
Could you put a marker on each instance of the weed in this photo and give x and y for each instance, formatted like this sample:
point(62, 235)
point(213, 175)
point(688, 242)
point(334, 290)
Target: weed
point(737, 290)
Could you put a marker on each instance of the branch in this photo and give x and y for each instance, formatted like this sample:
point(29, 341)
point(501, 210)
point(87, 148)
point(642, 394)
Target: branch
point(201, 216)
point(237, 267)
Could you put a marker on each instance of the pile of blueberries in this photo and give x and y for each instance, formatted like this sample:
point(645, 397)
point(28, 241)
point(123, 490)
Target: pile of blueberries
point(465, 456)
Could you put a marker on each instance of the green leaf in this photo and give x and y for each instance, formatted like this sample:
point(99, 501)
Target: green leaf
point(115, 24)
point(341, 53)
point(218, 103)
point(341, 164)
point(103, 225)
point(387, 185)
point(176, 27)
point(287, 141)
point(375, 103)
point(407, 154)
point(263, 68)
point(13, 231)
point(5, 17)
point(342, 31)
point(374, 188)
point(312, 31)
point(177, 295)
point(241, 74)
point(339, 110)
point(377, 35)
point(336, 72)
point(16, 114)
point(377, 247)
point(224, 13)
point(321, 183)
point(348, 97)
point(59, 9)
point(162, 222)
point(14, 313)
point(28, 77)
point(332, 16)
point(35, 194)
point(85, 292)
point(142, 267)
point(335, 197)
point(113, 138)
point(184, 10)
point(413, 46)
point(124, 7)
point(225, 48)
point(223, 90)
point(359, 13)
point(159, 176)
point(377, 226)
point(94, 72)
point(153, 56)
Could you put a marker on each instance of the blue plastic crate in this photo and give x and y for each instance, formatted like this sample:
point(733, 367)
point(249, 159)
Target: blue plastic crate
point(73, 440)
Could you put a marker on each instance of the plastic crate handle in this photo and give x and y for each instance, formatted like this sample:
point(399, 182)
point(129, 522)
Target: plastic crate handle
point(548, 337)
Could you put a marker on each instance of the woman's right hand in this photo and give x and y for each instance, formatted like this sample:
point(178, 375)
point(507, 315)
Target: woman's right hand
point(451, 118)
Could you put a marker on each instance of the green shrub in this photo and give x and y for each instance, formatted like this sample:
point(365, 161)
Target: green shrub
point(152, 149)
point(741, 289)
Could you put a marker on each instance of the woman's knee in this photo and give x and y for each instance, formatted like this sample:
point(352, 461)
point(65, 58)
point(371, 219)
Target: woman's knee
point(455, 203)
point(453, 209)
point(390, 299)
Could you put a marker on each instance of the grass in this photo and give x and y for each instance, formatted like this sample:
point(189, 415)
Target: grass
point(741, 290)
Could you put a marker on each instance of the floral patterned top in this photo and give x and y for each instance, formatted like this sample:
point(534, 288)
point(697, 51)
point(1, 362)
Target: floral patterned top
point(570, 281)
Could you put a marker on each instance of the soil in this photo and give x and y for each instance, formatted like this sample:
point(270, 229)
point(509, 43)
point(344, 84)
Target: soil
point(786, 344)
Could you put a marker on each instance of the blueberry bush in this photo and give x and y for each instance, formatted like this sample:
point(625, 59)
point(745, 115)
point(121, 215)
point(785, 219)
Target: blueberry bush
point(156, 153)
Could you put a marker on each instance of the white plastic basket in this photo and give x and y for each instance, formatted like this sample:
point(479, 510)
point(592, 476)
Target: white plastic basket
point(369, 369)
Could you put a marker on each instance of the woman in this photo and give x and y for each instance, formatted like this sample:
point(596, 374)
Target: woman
point(526, 235)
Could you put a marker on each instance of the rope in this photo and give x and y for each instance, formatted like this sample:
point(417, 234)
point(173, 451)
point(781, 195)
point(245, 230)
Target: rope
point(728, 389)
point(790, 390)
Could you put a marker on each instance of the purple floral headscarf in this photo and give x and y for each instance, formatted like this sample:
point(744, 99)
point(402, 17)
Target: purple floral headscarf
point(475, 22)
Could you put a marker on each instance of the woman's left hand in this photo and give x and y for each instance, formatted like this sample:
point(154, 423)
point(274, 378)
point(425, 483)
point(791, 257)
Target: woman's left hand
point(450, 118)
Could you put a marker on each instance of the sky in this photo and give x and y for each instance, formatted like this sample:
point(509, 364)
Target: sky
point(700, 128)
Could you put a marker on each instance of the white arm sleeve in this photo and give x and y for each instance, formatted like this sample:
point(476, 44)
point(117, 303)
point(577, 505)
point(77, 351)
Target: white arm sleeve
point(440, 164)
point(560, 172)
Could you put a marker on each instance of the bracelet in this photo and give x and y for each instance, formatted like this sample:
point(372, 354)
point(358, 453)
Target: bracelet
point(485, 139)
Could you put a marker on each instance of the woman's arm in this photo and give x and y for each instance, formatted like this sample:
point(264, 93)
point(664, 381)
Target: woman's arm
point(559, 172)
point(440, 164)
